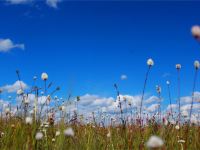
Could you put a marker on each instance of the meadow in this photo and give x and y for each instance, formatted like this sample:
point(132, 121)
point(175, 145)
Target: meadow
point(41, 120)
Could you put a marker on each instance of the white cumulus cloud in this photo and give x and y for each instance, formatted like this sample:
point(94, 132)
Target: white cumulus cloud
point(14, 87)
point(52, 3)
point(124, 77)
point(6, 45)
point(15, 2)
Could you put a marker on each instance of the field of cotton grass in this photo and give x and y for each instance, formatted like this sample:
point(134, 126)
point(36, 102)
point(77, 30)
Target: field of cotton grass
point(40, 120)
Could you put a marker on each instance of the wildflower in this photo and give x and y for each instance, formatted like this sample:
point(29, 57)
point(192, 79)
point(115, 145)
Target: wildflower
point(178, 66)
point(29, 120)
point(38, 136)
point(109, 134)
point(44, 76)
point(12, 126)
point(196, 64)
point(165, 122)
point(181, 141)
point(150, 62)
point(154, 142)
point(57, 133)
point(69, 132)
point(158, 89)
point(196, 31)
point(46, 125)
point(53, 140)
point(2, 134)
point(20, 92)
point(177, 127)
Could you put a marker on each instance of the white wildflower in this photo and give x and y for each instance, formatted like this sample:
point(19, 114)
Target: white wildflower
point(154, 142)
point(150, 62)
point(38, 136)
point(196, 31)
point(57, 133)
point(69, 132)
point(178, 66)
point(29, 120)
point(44, 76)
point(177, 127)
point(196, 64)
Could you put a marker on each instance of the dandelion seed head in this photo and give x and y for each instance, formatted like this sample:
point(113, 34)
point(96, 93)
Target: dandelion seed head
point(195, 31)
point(53, 140)
point(154, 142)
point(29, 120)
point(196, 64)
point(181, 141)
point(177, 127)
point(38, 136)
point(44, 76)
point(178, 66)
point(57, 133)
point(150, 62)
point(109, 134)
point(69, 132)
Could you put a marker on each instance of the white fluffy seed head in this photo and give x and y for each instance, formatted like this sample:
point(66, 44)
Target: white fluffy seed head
point(57, 133)
point(196, 31)
point(168, 82)
point(108, 134)
point(29, 120)
point(178, 66)
point(181, 141)
point(150, 62)
point(177, 127)
point(69, 132)
point(53, 140)
point(196, 64)
point(44, 76)
point(39, 136)
point(154, 142)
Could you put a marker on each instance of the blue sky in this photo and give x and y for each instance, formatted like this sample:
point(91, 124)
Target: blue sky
point(86, 46)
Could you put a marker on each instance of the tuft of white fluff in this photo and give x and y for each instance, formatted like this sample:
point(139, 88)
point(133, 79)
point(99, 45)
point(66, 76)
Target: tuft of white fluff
point(177, 127)
point(57, 133)
point(150, 62)
point(196, 31)
point(29, 120)
point(69, 132)
point(38, 136)
point(154, 142)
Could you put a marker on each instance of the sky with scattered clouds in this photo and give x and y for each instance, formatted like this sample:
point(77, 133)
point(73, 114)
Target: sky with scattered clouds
point(87, 46)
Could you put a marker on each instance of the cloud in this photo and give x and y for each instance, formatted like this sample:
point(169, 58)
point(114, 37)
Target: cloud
point(188, 99)
point(124, 77)
point(6, 45)
point(14, 87)
point(152, 108)
point(53, 3)
point(151, 100)
point(16, 2)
